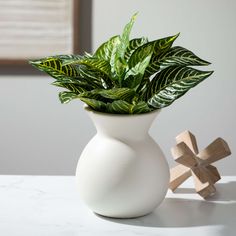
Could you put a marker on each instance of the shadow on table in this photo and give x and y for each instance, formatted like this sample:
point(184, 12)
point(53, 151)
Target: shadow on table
point(225, 192)
point(175, 212)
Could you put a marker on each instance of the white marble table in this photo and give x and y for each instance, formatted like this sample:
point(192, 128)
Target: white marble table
point(43, 206)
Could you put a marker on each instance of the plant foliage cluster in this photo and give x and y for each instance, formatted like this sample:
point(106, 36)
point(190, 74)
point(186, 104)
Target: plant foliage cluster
point(126, 76)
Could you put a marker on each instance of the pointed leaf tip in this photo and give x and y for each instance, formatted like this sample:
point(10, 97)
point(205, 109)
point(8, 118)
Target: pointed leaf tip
point(207, 63)
point(210, 72)
point(176, 35)
point(135, 15)
point(207, 73)
point(172, 83)
point(32, 62)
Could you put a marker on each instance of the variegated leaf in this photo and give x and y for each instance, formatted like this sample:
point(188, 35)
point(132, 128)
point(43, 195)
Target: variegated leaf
point(94, 77)
point(142, 89)
point(53, 66)
point(117, 61)
point(177, 56)
point(107, 95)
point(171, 83)
point(141, 107)
point(153, 67)
point(94, 104)
point(182, 57)
point(163, 44)
point(116, 79)
point(105, 50)
point(156, 47)
point(76, 88)
point(119, 107)
point(79, 82)
point(134, 44)
point(100, 65)
point(124, 38)
point(123, 107)
point(134, 76)
point(139, 68)
point(125, 94)
point(94, 94)
point(118, 67)
point(140, 54)
point(66, 96)
point(74, 59)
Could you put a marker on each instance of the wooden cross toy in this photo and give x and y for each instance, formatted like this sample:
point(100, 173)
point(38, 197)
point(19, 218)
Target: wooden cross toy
point(198, 164)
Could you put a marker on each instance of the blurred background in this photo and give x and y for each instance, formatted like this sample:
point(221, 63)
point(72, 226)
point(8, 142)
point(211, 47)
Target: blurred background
point(38, 135)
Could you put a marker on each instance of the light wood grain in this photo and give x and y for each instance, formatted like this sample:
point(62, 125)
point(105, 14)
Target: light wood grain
point(198, 164)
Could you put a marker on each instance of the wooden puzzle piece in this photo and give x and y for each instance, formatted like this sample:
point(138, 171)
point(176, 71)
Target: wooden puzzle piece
point(198, 164)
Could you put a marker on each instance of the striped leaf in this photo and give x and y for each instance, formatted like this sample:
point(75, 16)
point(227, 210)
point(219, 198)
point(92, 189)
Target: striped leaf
point(74, 59)
point(94, 77)
point(107, 95)
point(142, 89)
point(134, 76)
point(164, 44)
point(123, 107)
point(76, 88)
point(53, 66)
point(78, 82)
point(117, 78)
point(66, 96)
point(139, 68)
point(68, 57)
point(140, 54)
point(71, 59)
point(171, 83)
point(94, 94)
point(98, 70)
point(153, 67)
point(141, 107)
point(125, 94)
point(119, 107)
point(156, 47)
point(117, 60)
point(124, 38)
point(105, 50)
point(100, 65)
point(182, 57)
point(177, 56)
point(94, 104)
point(118, 67)
point(133, 45)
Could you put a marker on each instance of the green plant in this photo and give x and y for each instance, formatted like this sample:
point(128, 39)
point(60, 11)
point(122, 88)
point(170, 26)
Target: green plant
point(126, 76)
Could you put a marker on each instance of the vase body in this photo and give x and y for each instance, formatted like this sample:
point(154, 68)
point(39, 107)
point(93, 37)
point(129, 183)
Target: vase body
point(122, 171)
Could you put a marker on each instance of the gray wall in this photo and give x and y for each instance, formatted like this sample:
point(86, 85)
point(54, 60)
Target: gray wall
point(38, 135)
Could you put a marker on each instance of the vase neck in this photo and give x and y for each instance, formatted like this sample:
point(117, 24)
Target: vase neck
point(123, 127)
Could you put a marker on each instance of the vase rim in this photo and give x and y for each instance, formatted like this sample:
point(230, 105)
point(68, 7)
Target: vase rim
point(89, 109)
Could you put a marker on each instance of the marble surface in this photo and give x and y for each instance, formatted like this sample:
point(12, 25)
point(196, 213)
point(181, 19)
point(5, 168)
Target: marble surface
point(50, 205)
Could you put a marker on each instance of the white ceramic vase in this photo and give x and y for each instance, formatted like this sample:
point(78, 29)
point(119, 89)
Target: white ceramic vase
point(122, 171)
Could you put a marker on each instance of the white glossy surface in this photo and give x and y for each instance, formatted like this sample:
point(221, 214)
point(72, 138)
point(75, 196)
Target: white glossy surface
point(43, 206)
